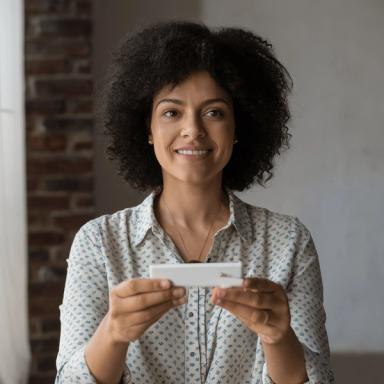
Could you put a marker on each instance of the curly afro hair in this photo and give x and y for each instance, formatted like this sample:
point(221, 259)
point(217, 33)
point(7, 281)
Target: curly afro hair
point(165, 53)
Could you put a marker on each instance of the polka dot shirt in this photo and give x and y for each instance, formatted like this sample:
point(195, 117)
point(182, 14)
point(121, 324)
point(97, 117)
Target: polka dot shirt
point(196, 342)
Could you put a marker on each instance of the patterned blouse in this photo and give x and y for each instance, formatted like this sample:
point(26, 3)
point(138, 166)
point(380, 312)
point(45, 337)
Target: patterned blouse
point(196, 342)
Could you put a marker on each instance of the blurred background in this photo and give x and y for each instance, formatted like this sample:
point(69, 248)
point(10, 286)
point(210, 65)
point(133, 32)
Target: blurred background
point(54, 176)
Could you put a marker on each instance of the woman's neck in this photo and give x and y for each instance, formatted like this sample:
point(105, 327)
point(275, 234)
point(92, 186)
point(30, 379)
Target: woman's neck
point(192, 207)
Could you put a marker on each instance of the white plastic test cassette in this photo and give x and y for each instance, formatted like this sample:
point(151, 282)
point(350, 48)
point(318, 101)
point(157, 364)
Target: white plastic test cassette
point(199, 274)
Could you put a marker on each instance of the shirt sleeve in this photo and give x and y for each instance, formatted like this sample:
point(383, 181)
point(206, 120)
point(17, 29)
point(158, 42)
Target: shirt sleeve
point(85, 304)
point(305, 295)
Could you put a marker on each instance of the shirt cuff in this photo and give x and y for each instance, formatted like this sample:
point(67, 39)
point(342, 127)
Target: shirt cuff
point(127, 376)
point(267, 380)
point(76, 370)
point(318, 371)
point(318, 368)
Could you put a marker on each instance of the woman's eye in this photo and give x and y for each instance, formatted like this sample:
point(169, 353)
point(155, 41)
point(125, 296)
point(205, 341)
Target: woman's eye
point(219, 113)
point(215, 112)
point(171, 110)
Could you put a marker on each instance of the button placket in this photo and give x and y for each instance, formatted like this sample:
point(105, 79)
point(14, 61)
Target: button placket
point(202, 330)
point(191, 342)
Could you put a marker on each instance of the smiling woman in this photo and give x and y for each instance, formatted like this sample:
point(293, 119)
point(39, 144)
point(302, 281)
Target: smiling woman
point(195, 124)
point(194, 113)
point(234, 64)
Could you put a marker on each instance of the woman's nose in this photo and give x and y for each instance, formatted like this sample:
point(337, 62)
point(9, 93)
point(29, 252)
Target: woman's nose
point(192, 126)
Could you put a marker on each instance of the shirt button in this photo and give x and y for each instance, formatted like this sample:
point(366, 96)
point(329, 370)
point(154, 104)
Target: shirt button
point(190, 314)
point(192, 353)
point(208, 260)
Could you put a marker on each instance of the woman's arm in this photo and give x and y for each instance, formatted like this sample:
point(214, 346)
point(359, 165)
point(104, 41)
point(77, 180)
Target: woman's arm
point(104, 357)
point(83, 316)
point(286, 363)
point(305, 295)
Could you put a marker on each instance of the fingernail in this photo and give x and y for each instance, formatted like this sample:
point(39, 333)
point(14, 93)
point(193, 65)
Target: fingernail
point(164, 284)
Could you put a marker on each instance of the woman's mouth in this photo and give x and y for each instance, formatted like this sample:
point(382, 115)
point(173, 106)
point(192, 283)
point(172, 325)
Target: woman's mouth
point(194, 155)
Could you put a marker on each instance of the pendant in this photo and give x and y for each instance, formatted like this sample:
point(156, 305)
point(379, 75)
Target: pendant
point(193, 261)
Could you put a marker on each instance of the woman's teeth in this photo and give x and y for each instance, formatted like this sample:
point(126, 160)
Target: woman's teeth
point(193, 152)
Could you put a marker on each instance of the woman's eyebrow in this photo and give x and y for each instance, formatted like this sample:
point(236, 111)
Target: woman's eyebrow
point(180, 102)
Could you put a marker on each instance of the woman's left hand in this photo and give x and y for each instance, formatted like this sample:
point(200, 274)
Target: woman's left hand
point(262, 306)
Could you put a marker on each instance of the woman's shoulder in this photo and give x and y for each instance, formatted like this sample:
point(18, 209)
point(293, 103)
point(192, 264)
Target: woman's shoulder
point(114, 228)
point(262, 216)
point(268, 222)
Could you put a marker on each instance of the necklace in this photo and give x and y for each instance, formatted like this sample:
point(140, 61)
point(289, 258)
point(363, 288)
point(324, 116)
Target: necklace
point(192, 260)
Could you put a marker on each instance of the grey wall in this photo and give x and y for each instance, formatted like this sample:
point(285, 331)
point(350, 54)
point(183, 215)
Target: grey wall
point(332, 177)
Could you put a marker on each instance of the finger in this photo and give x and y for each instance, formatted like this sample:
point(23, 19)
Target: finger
point(253, 315)
point(258, 300)
point(149, 299)
point(214, 292)
point(138, 285)
point(150, 313)
point(153, 320)
point(258, 328)
point(261, 284)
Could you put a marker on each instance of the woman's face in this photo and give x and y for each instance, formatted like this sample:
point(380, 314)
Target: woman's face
point(196, 113)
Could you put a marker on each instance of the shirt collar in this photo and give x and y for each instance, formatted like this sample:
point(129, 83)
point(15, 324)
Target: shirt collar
point(145, 217)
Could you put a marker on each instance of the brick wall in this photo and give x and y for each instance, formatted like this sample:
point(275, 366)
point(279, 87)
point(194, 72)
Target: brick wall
point(59, 160)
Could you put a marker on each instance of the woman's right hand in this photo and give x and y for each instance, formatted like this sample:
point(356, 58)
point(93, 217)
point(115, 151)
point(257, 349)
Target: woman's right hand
point(134, 305)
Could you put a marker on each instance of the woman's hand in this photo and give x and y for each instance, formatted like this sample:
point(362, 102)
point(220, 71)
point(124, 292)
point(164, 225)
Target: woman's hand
point(262, 306)
point(134, 305)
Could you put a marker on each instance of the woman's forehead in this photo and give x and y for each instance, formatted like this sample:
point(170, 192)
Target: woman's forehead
point(200, 85)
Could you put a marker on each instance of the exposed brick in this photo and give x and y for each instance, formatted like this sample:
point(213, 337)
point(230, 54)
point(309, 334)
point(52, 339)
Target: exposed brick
point(71, 184)
point(33, 271)
point(53, 124)
point(46, 345)
point(59, 165)
point(49, 325)
point(67, 87)
point(46, 364)
point(84, 6)
point(31, 185)
point(40, 255)
point(44, 106)
point(79, 106)
point(66, 27)
point(47, 142)
point(50, 273)
point(58, 70)
point(47, 203)
point(37, 239)
point(42, 379)
point(46, 5)
point(84, 202)
point(84, 67)
point(43, 307)
point(31, 27)
point(62, 253)
point(72, 221)
point(31, 123)
point(33, 329)
point(82, 146)
point(41, 46)
point(46, 290)
point(33, 219)
point(47, 67)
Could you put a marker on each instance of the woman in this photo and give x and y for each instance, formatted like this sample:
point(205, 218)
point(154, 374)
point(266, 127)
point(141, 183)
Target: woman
point(214, 104)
